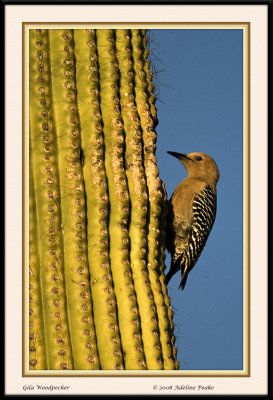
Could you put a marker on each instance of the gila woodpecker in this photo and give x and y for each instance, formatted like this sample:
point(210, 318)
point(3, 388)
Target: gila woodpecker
point(191, 213)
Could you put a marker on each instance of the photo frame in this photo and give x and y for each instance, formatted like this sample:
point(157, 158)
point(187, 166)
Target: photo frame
point(250, 379)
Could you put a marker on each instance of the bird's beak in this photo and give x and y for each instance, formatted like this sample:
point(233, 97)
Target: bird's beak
point(180, 156)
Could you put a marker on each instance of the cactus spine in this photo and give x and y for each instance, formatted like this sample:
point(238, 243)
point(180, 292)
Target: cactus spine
point(97, 293)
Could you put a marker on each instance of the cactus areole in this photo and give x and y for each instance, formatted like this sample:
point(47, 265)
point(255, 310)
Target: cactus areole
point(97, 293)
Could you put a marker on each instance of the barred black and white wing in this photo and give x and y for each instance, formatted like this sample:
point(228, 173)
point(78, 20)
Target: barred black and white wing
point(191, 238)
point(204, 211)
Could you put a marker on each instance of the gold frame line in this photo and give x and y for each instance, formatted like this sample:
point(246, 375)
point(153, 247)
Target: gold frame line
point(245, 26)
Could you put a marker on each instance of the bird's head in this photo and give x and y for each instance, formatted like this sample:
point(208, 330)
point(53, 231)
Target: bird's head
point(199, 165)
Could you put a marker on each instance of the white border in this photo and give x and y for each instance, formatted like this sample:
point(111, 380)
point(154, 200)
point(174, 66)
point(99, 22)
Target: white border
point(257, 16)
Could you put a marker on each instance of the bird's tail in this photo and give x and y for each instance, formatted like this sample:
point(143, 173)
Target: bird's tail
point(184, 277)
point(168, 277)
point(174, 268)
point(172, 271)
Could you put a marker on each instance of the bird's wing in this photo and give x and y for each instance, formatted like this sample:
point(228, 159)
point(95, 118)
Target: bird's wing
point(187, 238)
point(178, 236)
point(169, 229)
point(204, 211)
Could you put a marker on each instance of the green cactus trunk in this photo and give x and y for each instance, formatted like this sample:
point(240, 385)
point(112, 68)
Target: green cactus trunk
point(97, 206)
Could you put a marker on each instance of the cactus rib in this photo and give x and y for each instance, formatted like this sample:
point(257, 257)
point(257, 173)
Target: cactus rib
point(155, 200)
point(46, 180)
point(138, 197)
point(79, 305)
point(103, 295)
point(128, 312)
point(37, 358)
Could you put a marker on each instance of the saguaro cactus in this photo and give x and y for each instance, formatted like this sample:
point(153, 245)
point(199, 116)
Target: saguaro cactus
point(97, 294)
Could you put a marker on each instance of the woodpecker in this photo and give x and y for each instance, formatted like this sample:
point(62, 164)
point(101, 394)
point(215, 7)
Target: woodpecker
point(191, 213)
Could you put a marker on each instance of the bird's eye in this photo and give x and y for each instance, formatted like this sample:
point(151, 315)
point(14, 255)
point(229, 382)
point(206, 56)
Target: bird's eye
point(198, 158)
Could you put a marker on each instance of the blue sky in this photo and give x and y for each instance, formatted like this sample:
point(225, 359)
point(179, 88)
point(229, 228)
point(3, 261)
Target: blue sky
point(199, 86)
